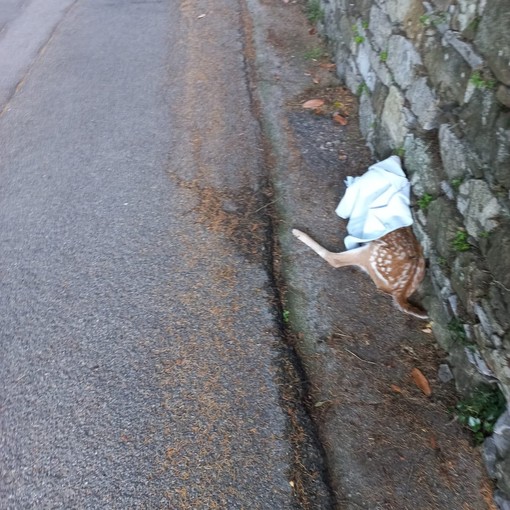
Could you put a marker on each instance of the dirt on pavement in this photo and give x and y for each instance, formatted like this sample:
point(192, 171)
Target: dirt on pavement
point(387, 444)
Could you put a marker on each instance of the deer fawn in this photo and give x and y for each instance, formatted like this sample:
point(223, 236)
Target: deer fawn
point(394, 262)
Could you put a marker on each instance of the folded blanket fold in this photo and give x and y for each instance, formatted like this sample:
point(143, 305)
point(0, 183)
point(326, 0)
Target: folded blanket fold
point(376, 203)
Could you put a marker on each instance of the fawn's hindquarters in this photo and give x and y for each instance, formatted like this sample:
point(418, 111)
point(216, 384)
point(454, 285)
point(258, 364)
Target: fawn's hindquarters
point(394, 262)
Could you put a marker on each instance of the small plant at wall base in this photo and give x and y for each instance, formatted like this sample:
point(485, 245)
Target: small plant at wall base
point(362, 87)
point(457, 331)
point(442, 262)
point(358, 38)
point(424, 201)
point(456, 184)
point(400, 152)
point(286, 316)
point(460, 241)
point(480, 412)
point(479, 82)
point(314, 11)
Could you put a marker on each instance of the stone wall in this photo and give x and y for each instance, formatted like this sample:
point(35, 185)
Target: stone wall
point(433, 79)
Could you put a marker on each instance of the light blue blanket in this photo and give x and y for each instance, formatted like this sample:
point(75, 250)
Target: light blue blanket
point(376, 203)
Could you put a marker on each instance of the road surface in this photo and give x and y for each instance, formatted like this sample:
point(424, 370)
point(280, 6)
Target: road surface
point(139, 339)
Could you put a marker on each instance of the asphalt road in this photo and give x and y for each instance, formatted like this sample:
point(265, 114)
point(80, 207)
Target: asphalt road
point(138, 332)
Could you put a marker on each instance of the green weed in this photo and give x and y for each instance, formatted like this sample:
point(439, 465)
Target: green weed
point(480, 412)
point(383, 56)
point(433, 19)
point(358, 38)
point(400, 152)
point(460, 241)
point(442, 262)
point(456, 184)
point(314, 11)
point(479, 82)
point(286, 316)
point(424, 201)
point(458, 333)
point(362, 87)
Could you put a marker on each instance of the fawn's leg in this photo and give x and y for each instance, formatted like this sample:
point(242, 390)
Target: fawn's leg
point(356, 257)
point(403, 304)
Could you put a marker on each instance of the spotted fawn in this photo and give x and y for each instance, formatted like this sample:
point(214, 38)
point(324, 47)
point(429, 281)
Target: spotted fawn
point(394, 262)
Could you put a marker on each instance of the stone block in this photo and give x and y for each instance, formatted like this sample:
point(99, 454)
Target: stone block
point(381, 28)
point(363, 60)
point(423, 166)
point(381, 69)
point(502, 500)
point(500, 304)
point(466, 375)
point(403, 59)
point(458, 160)
point(393, 118)
point(493, 39)
point(351, 77)
point(474, 356)
point(379, 99)
point(470, 279)
point(447, 70)
point(444, 223)
point(367, 118)
point(483, 311)
point(465, 14)
point(501, 156)
point(342, 57)
point(465, 50)
point(423, 103)
point(497, 360)
point(480, 208)
point(423, 237)
point(498, 255)
point(407, 13)
point(503, 95)
point(478, 119)
point(503, 475)
point(444, 374)
point(489, 455)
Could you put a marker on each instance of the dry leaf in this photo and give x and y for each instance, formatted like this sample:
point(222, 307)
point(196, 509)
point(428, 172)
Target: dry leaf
point(201, 16)
point(328, 66)
point(340, 119)
point(396, 388)
point(313, 103)
point(427, 328)
point(433, 443)
point(421, 381)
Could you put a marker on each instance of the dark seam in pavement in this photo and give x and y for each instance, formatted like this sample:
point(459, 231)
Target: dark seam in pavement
point(288, 361)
